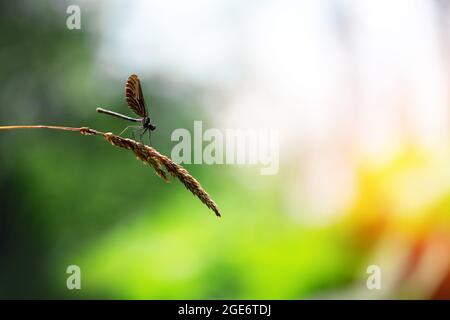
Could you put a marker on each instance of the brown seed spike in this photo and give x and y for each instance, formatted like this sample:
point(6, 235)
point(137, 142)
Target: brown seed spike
point(156, 160)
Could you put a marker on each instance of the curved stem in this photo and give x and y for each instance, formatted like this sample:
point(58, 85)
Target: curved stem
point(82, 130)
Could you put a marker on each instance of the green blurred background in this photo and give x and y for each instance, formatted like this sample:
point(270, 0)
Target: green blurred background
point(359, 91)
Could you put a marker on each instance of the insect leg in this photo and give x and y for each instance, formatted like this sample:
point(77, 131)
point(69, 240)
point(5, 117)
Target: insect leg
point(137, 128)
point(150, 137)
point(142, 133)
point(124, 130)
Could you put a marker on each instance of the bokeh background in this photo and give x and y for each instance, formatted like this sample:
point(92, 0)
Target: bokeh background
point(359, 92)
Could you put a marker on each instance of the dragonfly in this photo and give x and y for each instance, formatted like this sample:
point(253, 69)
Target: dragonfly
point(136, 102)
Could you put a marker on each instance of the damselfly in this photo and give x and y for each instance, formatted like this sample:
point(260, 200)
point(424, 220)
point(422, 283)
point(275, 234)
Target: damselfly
point(136, 102)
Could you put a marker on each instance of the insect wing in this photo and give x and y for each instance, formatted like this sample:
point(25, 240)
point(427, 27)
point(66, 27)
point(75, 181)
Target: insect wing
point(134, 96)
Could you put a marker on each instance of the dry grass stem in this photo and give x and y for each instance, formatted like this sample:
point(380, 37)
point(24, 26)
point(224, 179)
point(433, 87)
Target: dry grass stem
point(147, 155)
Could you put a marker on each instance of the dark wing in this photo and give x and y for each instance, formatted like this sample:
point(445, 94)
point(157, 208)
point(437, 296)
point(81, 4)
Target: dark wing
point(134, 96)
